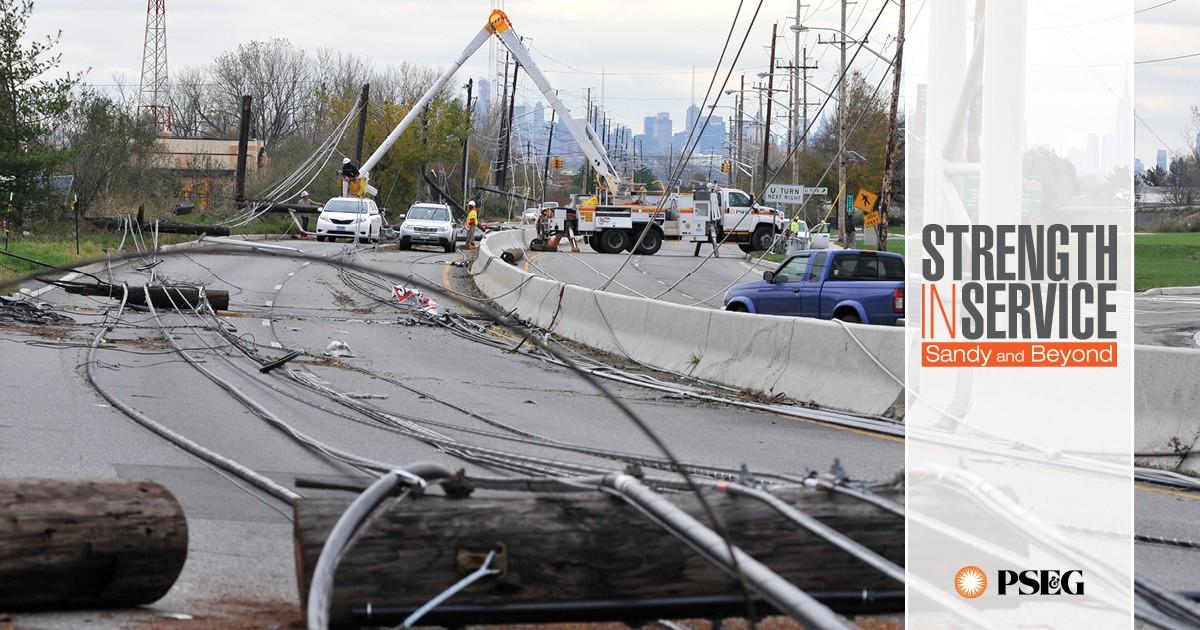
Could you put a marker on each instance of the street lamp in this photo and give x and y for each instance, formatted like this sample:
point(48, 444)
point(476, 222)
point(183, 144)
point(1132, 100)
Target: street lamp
point(797, 28)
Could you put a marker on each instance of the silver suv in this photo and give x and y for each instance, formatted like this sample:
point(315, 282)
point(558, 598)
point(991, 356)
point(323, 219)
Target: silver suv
point(427, 224)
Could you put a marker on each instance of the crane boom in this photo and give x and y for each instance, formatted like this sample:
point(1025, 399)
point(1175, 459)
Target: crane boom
point(499, 25)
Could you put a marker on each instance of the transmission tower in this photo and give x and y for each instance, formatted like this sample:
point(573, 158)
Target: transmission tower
point(153, 95)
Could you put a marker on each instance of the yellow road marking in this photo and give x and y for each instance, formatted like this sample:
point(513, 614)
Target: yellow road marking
point(530, 259)
point(1183, 494)
point(446, 284)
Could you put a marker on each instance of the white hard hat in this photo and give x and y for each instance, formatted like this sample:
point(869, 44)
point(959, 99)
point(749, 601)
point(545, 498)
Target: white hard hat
point(345, 160)
point(470, 204)
point(304, 193)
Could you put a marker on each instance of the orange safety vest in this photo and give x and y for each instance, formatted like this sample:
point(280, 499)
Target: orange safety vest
point(472, 218)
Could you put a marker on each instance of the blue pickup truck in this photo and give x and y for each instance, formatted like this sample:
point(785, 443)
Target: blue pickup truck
point(859, 286)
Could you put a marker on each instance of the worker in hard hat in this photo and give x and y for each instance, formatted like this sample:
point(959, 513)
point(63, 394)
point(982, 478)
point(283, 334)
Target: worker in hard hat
point(349, 170)
point(794, 228)
point(305, 200)
point(472, 222)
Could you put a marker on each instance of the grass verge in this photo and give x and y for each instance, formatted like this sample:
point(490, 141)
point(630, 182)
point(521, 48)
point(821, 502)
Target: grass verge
point(1167, 259)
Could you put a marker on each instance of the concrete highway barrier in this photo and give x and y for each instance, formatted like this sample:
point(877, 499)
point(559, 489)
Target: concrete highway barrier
point(1166, 405)
point(811, 361)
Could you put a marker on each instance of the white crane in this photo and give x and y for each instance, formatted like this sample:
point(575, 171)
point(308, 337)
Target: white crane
point(499, 25)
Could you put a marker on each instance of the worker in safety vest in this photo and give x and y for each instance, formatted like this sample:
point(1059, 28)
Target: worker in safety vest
point(472, 222)
point(794, 228)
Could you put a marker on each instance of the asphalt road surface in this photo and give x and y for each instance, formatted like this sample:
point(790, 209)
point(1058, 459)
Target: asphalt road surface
point(656, 276)
point(54, 424)
point(1167, 320)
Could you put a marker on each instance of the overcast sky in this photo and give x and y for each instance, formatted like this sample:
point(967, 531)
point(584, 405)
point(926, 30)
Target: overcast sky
point(646, 49)
point(1167, 90)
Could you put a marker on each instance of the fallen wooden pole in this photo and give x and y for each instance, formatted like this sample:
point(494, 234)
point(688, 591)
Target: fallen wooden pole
point(88, 544)
point(580, 547)
point(161, 297)
point(164, 227)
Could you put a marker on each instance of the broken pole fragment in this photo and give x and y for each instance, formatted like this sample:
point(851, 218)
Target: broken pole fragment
point(511, 256)
point(88, 544)
point(573, 547)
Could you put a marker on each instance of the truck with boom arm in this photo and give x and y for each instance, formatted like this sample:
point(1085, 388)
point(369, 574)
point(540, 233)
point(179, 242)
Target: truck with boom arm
point(618, 217)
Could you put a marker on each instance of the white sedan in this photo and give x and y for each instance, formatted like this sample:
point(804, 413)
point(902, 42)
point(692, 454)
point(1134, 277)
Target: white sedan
point(350, 218)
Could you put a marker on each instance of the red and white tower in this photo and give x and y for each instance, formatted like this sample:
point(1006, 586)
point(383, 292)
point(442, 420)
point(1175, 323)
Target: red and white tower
point(153, 96)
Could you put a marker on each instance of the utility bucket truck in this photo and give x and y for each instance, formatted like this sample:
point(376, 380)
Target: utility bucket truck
point(617, 215)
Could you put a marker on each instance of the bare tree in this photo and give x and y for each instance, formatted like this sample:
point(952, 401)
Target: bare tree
point(277, 75)
point(193, 110)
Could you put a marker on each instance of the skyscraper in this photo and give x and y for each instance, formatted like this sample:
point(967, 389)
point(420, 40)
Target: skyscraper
point(483, 103)
point(693, 116)
point(1161, 159)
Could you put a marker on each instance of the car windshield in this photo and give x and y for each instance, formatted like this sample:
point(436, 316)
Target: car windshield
point(352, 206)
point(428, 213)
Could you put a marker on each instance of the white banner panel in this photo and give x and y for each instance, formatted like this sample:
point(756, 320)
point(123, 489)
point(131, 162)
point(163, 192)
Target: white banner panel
point(1019, 319)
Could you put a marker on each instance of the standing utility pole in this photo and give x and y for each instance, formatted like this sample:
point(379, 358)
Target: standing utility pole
point(549, 147)
point(885, 189)
point(766, 166)
point(467, 142)
point(739, 105)
point(362, 122)
point(153, 90)
point(841, 134)
point(512, 102)
point(586, 166)
point(243, 145)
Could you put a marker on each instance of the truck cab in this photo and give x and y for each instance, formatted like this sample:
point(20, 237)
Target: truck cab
point(857, 286)
point(734, 218)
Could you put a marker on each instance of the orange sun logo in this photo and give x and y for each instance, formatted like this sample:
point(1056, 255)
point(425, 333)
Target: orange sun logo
point(970, 582)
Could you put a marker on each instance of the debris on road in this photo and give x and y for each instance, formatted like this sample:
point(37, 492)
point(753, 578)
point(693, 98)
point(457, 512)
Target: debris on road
point(25, 312)
point(337, 349)
point(424, 302)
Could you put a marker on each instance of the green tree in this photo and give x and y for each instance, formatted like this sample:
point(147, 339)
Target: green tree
point(31, 106)
point(109, 145)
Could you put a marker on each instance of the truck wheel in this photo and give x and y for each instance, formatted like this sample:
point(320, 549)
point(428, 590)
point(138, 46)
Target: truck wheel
point(593, 241)
point(613, 241)
point(651, 243)
point(850, 317)
point(737, 307)
point(321, 238)
point(745, 247)
point(762, 238)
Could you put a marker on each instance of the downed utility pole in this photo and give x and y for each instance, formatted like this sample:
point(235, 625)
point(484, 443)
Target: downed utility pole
point(88, 544)
point(160, 296)
point(164, 227)
point(570, 557)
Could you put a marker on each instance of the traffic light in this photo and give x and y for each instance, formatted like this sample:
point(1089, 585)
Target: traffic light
point(556, 162)
point(726, 167)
